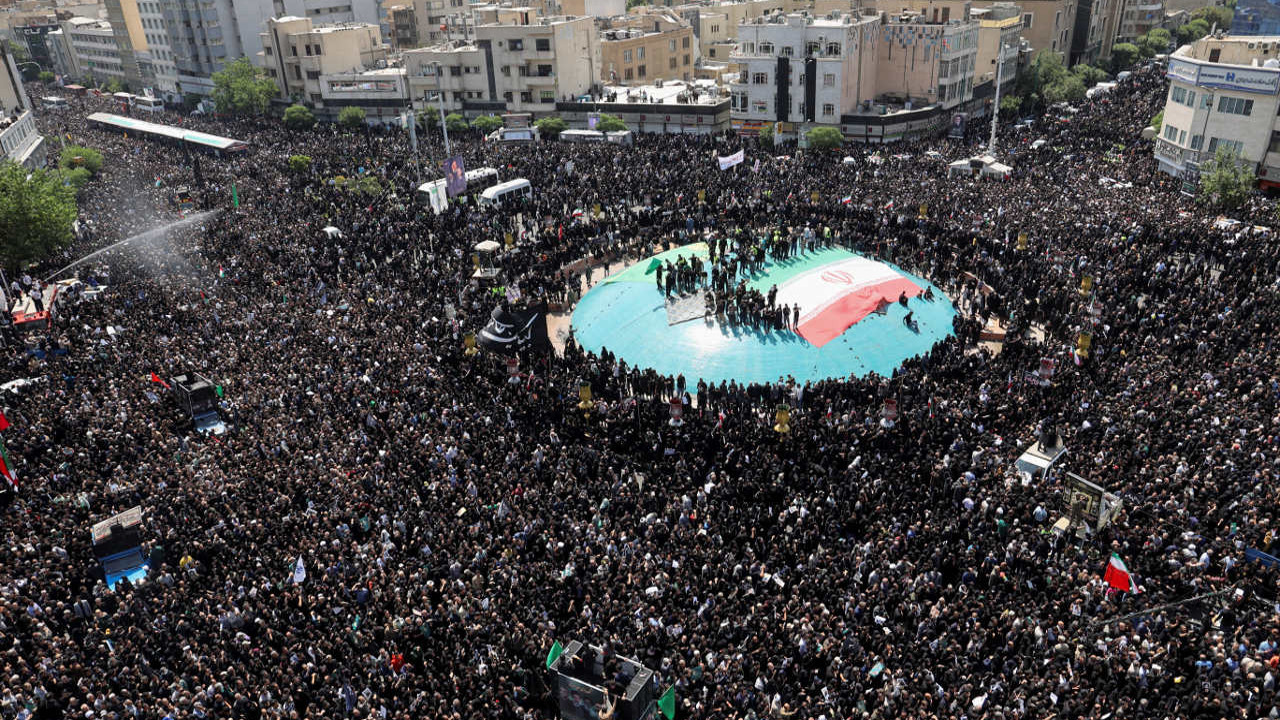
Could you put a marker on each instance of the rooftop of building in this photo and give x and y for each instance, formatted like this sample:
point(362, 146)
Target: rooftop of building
point(84, 23)
point(1248, 50)
point(447, 46)
point(670, 92)
point(805, 19)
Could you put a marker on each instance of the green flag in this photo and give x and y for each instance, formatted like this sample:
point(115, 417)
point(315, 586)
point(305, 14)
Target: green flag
point(556, 650)
point(235, 197)
point(667, 703)
point(355, 625)
point(654, 264)
point(218, 389)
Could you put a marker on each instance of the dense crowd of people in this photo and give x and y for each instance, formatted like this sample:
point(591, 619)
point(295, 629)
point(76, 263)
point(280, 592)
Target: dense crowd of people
point(453, 524)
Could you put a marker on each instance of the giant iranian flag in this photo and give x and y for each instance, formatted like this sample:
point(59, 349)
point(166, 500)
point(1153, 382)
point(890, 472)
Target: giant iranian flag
point(835, 296)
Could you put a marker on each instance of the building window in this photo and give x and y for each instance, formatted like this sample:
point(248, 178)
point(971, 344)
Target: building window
point(765, 48)
point(828, 80)
point(715, 29)
point(684, 42)
point(526, 97)
point(762, 106)
point(833, 49)
point(547, 96)
point(760, 79)
point(1235, 147)
point(1235, 106)
point(542, 44)
point(788, 51)
point(710, 53)
point(506, 70)
point(506, 96)
point(828, 110)
point(640, 71)
point(1171, 133)
point(515, 45)
point(544, 71)
point(640, 53)
point(1026, 21)
point(811, 48)
point(313, 74)
point(671, 62)
point(1275, 141)
point(626, 56)
point(627, 74)
point(455, 71)
point(671, 45)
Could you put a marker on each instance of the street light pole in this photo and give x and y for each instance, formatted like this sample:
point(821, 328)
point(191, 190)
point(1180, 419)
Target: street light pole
point(440, 89)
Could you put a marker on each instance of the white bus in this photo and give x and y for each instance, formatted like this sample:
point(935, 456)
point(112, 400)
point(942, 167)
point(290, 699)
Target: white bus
point(53, 103)
point(147, 104)
point(433, 192)
point(506, 192)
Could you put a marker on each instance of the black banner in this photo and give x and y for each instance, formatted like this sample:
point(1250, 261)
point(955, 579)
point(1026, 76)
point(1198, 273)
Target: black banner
point(516, 330)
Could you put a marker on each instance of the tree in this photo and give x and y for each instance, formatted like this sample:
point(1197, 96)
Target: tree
point(1157, 122)
point(351, 117)
point(550, 127)
point(78, 177)
point(299, 117)
point(610, 123)
point(429, 119)
point(1089, 74)
point(1067, 89)
point(74, 156)
point(1225, 181)
point(455, 123)
point(299, 164)
point(487, 123)
point(766, 136)
point(114, 86)
point(47, 77)
point(1192, 31)
point(37, 209)
point(1214, 15)
point(242, 88)
point(1010, 104)
point(1124, 55)
point(824, 138)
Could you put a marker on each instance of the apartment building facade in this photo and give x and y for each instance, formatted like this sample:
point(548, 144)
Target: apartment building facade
point(296, 54)
point(1047, 25)
point(95, 53)
point(797, 69)
point(648, 46)
point(523, 64)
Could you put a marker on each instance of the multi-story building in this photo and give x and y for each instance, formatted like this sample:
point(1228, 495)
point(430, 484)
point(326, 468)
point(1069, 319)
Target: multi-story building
point(999, 35)
point(797, 69)
point(250, 16)
point(31, 30)
point(1137, 17)
point(296, 54)
point(1256, 17)
point(95, 51)
point(163, 78)
point(1047, 25)
point(202, 38)
point(1224, 92)
point(404, 27)
point(652, 45)
point(1097, 22)
point(589, 8)
point(19, 139)
point(126, 23)
point(524, 63)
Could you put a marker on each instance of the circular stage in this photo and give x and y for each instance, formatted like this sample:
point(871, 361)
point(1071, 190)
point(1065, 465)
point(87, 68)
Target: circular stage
point(851, 322)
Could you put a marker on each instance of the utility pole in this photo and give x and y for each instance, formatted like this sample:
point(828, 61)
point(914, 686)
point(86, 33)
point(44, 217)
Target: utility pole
point(440, 89)
point(995, 107)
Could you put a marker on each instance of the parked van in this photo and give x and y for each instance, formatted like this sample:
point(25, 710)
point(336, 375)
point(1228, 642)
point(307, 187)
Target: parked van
point(506, 192)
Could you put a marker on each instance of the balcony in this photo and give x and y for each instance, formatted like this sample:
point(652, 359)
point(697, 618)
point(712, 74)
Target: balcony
point(21, 141)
